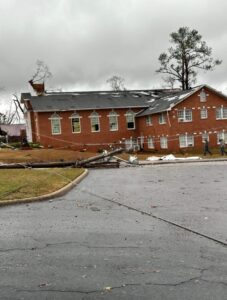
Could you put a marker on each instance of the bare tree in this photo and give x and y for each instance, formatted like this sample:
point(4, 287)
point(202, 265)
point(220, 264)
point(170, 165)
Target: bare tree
point(17, 103)
point(116, 83)
point(9, 116)
point(14, 112)
point(42, 72)
point(169, 82)
point(38, 79)
point(19, 110)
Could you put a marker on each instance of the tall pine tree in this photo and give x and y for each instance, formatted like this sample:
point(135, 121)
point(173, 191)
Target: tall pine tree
point(188, 54)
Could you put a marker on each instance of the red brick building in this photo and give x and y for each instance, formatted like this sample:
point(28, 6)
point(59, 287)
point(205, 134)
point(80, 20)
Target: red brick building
point(168, 120)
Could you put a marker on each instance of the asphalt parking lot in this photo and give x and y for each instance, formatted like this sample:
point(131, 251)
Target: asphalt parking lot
point(151, 232)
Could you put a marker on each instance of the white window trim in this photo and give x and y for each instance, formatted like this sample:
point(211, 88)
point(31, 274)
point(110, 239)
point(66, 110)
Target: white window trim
point(150, 141)
point(93, 115)
point(203, 109)
point(113, 114)
point(183, 119)
point(148, 120)
point(165, 139)
point(75, 132)
point(162, 119)
point(222, 113)
point(186, 137)
point(203, 96)
point(222, 135)
point(55, 116)
point(205, 136)
point(75, 116)
point(130, 113)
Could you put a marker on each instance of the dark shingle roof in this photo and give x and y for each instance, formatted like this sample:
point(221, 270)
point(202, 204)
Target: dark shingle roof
point(150, 101)
point(92, 100)
point(165, 102)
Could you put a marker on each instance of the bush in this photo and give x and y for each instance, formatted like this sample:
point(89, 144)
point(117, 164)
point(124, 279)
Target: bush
point(35, 145)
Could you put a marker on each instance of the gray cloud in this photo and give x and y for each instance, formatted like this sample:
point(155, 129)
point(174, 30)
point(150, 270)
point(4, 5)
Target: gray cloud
point(84, 42)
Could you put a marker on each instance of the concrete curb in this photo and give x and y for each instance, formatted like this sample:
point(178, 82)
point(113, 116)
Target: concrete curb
point(52, 195)
point(166, 162)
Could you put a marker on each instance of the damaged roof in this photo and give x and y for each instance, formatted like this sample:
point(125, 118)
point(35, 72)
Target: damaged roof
point(165, 102)
point(150, 101)
point(91, 100)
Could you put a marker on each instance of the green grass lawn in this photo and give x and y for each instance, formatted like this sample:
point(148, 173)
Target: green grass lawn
point(20, 184)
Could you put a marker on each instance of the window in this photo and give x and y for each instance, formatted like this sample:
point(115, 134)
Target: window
point(203, 113)
point(95, 126)
point(148, 120)
point(222, 135)
point(55, 123)
point(186, 140)
point(162, 119)
point(221, 113)
point(131, 144)
point(150, 143)
point(113, 121)
point(163, 142)
point(184, 115)
point(75, 122)
point(203, 96)
point(130, 119)
point(205, 136)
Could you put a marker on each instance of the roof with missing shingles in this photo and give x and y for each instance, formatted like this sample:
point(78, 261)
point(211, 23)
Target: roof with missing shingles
point(165, 102)
point(91, 100)
point(150, 101)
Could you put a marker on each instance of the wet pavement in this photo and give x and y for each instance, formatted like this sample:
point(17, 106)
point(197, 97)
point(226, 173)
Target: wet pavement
point(151, 232)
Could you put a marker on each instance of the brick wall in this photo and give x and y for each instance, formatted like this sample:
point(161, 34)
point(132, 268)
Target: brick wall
point(104, 138)
point(196, 127)
point(85, 139)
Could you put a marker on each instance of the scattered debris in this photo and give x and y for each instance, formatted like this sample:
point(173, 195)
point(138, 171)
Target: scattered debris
point(76, 164)
point(44, 285)
point(7, 145)
point(133, 159)
point(172, 157)
point(93, 208)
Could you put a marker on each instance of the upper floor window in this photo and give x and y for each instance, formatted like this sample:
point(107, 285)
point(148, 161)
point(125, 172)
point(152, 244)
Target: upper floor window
point(162, 118)
point(186, 140)
point(203, 113)
point(163, 142)
point(221, 113)
point(95, 125)
point(203, 96)
point(75, 122)
point(184, 115)
point(113, 121)
point(55, 123)
point(148, 120)
point(130, 119)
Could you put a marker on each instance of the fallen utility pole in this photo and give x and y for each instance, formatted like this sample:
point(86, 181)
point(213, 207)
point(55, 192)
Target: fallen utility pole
point(62, 164)
point(7, 145)
point(105, 164)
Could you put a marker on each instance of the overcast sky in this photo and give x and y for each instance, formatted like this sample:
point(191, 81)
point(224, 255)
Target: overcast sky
point(85, 42)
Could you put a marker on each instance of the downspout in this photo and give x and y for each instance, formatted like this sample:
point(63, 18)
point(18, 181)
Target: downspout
point(167, 112)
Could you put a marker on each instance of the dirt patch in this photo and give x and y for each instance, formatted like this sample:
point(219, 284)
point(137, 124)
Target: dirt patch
point(41, 155)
